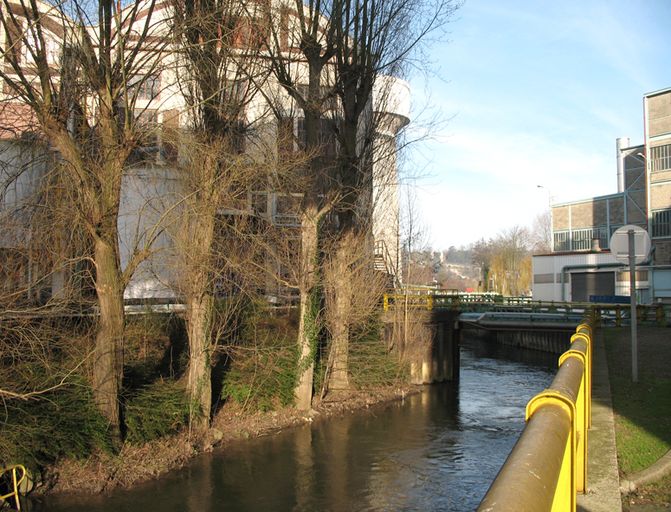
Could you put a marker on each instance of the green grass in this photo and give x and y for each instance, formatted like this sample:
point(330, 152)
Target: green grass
point(642, 410)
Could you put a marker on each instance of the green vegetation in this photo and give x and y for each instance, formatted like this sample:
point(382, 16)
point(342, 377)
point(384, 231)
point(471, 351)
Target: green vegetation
point(642, 410)
point(370, 361)
point(142, 421)
point(60, 423)
point(261, 373)
point(255, 368)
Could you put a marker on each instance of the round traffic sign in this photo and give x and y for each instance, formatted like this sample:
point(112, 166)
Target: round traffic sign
point(619, 244)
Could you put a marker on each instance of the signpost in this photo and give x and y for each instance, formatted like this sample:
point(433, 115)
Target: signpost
point(631, 244)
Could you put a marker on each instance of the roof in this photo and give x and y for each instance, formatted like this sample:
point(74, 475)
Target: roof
point(656, 93)
point(573, 253)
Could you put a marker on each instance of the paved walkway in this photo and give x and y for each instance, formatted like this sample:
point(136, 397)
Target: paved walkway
point(603, 482)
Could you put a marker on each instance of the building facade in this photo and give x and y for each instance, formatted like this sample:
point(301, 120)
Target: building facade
point(152, 176)
point(580, 266)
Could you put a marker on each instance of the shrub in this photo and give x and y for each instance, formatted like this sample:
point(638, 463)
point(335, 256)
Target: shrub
point(370, 362)
point(158, 409)
point(261, 373)
point(61, 423)
point(262, 378)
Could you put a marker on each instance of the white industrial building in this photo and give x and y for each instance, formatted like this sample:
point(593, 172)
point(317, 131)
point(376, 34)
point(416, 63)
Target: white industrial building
point(146, 184)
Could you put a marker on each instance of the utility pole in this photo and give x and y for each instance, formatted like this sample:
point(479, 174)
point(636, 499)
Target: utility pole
point(634, 318)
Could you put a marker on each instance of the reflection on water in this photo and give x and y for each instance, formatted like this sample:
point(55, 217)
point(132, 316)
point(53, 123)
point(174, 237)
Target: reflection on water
point(437, 450)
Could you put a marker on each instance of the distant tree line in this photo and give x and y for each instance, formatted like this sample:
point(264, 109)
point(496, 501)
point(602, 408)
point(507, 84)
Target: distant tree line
point(501, 264)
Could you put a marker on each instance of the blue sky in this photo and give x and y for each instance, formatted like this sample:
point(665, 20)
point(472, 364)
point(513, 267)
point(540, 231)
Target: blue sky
point(536, 92)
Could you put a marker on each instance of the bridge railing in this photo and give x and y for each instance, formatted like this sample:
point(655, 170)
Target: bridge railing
point(613, 314)
point(548, 465)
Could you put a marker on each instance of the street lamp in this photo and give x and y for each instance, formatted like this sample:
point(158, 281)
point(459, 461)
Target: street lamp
point(552, 241)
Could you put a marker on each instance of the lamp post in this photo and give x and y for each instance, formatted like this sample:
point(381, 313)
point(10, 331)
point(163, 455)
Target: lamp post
point(552, 241)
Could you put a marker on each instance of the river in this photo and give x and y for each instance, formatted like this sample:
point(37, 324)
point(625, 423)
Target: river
point(435, 451)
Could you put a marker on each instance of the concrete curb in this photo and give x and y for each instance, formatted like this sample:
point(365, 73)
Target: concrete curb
point(658, 470)
point(603, 481)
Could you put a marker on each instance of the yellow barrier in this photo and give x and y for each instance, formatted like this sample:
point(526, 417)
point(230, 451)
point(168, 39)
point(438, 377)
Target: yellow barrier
point(548, 465)
point(16, 484)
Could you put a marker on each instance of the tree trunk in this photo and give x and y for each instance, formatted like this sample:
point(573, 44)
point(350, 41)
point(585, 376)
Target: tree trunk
point(108, 362)
point(199, 317)
point(339, 311)
point(308, 328)
point(200, 305)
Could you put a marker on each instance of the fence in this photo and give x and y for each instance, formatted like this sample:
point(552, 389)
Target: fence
point(610, 314)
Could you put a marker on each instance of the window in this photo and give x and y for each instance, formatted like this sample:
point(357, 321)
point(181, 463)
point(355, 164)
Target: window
point(660, 157)
point(29, 46)
point(260, 203)
point(287, 207)
point(248, 31)
point(145, 87)
point(562, 241)
point(580, 239)
point(327, 136)
point(661, 223)
point(30, 42)
point(327, 96)
point(148, 147)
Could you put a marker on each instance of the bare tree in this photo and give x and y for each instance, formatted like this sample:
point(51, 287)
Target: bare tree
point(541, 233)
point(482, 257)
point(300, 50)
point(510, 261)
point(69, 68)
point(219, 45)
point(363, 40)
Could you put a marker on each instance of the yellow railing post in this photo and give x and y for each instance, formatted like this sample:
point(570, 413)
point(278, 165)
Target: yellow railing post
point(16, 483)
point(584, 332)
point(565, 490)
point(582, 412)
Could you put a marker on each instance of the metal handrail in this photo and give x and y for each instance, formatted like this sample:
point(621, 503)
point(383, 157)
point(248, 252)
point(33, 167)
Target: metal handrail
point(548, 465)
point(613, 313)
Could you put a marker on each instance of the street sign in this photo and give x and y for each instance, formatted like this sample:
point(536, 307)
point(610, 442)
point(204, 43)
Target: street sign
point(631, 244)
point(619, 244)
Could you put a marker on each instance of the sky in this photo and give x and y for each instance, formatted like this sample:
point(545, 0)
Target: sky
point(530, 92)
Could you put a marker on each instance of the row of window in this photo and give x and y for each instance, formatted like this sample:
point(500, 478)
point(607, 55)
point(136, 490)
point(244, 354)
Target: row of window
point(581, 239)
point(660, 158)
point(661, 223)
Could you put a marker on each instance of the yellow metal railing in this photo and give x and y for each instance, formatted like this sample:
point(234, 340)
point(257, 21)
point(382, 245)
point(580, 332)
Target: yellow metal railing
point(16, 483)
point(548, 465)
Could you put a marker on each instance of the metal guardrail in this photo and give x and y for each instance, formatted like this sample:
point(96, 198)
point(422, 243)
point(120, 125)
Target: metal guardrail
point(612, 314)
point(18, 485)
point(548, 465)
point(433, 299)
